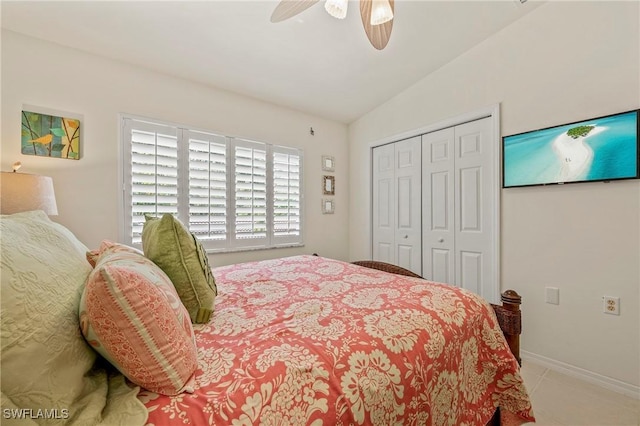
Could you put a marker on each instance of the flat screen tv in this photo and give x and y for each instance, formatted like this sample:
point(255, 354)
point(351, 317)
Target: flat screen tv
point(599, 149)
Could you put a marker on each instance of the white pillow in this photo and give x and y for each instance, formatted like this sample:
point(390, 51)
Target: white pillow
point(46, 363)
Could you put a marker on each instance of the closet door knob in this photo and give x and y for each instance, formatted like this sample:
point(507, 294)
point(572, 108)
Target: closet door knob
point(405, 237)
point(441, 240)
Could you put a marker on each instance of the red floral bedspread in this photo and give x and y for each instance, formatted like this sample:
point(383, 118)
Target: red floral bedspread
point(310, 340)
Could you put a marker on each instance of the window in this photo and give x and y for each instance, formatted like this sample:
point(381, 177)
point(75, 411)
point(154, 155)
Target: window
point(233, 193)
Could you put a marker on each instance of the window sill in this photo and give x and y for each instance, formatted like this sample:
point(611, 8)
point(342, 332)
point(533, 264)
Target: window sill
point(243, 249)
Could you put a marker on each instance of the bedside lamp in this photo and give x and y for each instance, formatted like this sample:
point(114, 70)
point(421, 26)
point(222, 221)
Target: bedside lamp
point(20, 192)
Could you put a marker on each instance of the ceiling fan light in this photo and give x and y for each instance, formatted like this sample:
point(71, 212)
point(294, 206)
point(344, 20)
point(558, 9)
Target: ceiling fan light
point(336, 8)
point(381, 12)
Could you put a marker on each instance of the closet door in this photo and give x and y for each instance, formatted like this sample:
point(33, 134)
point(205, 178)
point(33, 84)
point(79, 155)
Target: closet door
point(383, 198)
point(408, 205)
point(459, 190)
point(438, 206)
point(475, 194)
point(396, 204)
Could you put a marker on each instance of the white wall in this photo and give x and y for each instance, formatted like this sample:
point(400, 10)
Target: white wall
point(563, 62)
point(51, 76)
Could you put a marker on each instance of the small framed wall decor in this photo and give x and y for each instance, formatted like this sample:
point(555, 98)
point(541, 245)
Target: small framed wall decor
point(328, 206)
point(328, 185)
point(49, 135)
point(328, 163)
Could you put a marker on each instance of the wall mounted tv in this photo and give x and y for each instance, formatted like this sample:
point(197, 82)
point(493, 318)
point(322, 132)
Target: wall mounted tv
point(599, 149)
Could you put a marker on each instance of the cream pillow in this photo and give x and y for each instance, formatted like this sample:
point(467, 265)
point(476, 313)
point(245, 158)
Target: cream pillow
point(46, 364)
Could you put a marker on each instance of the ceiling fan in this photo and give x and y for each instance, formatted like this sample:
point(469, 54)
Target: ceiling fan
point(377, 15)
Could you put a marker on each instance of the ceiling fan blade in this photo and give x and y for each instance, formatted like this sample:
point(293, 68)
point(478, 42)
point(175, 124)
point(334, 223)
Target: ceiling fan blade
point(378, 34)
point(289, 8)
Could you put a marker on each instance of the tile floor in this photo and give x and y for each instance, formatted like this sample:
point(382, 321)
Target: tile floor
point(559, 399)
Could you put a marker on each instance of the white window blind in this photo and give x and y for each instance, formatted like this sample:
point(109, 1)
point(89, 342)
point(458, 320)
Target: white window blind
point(250, 193)
point(286, 194)
point(153, 175)
point(208, 187)
point(232, 193)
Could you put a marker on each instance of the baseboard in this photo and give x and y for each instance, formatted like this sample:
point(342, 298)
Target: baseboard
point(582, 374)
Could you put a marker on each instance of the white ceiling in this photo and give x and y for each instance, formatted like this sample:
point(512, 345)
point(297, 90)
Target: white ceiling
point(312, 62)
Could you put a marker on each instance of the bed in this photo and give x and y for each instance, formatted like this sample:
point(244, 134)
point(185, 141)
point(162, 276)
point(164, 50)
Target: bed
point(298, 340)
point(311, 340)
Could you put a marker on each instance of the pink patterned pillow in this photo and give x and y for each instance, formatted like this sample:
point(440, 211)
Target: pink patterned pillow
point(94, 255)
point(131, 314)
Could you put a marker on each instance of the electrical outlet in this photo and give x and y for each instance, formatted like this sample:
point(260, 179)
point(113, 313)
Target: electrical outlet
point(611, 305)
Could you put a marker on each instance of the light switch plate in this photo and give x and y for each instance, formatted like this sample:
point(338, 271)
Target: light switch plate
point(552, 295)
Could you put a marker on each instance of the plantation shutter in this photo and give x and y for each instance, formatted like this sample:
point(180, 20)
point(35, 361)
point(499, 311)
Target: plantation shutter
point(287, 181)
point(153, 177)
point(232, 194)
point(208, 188)
point(250, 194)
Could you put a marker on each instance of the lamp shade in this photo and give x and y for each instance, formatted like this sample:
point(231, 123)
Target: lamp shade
point(381, 12)
point(22, 192)
point(337, 8)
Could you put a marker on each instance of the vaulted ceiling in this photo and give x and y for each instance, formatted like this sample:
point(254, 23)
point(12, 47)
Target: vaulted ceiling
point(312, 63)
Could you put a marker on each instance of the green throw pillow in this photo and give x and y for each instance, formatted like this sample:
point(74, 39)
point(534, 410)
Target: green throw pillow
point(170, 245)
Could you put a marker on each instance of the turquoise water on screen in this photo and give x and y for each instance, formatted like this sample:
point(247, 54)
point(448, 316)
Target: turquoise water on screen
point(529, 158)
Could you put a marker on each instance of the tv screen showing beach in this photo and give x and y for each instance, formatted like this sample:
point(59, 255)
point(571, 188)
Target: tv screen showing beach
point(599, 149)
